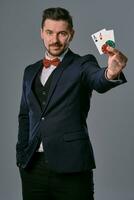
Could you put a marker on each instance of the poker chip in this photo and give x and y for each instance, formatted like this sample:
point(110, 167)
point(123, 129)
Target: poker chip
point(108, 43)
point(104, 48)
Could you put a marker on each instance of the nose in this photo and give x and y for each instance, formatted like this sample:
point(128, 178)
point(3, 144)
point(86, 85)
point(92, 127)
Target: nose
point(55, 38)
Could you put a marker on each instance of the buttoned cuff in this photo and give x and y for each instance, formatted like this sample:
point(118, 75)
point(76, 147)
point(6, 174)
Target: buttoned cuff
point(117, 79)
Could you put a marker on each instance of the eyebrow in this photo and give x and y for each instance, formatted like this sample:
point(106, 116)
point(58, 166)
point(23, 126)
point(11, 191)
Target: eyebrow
point(57, 32)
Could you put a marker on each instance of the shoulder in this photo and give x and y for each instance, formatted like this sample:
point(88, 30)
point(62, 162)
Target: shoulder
point(88, 58)
point(83, 59)
point(33, 66)
point(31, 69)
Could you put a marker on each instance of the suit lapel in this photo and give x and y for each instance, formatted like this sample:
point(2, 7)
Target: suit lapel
point(33, 74)
point(56, 76)
point(37, 67)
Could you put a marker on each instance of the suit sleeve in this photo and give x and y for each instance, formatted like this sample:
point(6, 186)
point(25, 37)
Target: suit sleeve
point(93, 76)
point(23, 120)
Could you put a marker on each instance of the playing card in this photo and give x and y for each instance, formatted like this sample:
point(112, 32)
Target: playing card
point(109, 35)
point(101, 37)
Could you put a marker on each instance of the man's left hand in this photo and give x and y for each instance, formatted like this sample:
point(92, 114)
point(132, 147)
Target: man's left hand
point(116, 62)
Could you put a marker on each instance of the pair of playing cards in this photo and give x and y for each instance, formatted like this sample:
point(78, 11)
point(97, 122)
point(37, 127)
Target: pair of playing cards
point(103, 37)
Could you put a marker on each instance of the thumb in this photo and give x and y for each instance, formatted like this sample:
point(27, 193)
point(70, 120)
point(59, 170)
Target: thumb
point(111, 51)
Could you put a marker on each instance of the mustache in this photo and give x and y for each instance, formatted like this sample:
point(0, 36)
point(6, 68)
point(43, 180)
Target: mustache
point(57, 44)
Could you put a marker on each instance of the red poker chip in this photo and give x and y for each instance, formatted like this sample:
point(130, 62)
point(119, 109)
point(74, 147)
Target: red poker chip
point(104, 48)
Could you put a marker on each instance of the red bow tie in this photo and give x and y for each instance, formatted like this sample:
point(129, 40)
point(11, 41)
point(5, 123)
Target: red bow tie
point(54, 62)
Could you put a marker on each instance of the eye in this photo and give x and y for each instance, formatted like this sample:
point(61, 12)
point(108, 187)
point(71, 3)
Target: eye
point(48, 32)
point(63, 33)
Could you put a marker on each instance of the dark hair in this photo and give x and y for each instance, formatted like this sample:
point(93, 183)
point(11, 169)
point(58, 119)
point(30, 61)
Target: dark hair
point(57, 14)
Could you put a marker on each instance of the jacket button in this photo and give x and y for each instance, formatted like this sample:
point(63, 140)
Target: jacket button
point(44, 93)
point(18, 164)
point(43, 118)
point(43, 103)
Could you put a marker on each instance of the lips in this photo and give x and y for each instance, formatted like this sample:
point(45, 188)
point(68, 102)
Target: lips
point(55, 46)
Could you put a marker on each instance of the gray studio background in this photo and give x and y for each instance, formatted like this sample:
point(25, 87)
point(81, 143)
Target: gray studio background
point(111, 118)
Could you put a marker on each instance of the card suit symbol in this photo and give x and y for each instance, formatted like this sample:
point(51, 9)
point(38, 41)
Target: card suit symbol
point(100, 36)
point(95, 38)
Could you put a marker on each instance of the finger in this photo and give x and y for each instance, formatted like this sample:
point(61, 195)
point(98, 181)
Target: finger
point(117, 54)
point(118, 63)
point(111, 51)
point(121, 58)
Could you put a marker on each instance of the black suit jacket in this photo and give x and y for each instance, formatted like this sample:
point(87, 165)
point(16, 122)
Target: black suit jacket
point(62, 124)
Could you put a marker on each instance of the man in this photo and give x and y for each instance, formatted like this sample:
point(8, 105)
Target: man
point(54, 153)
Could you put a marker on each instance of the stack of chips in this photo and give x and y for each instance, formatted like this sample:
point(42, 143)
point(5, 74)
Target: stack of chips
point(108, 43)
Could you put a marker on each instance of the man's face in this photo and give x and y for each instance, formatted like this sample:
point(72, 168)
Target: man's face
point(56, 36)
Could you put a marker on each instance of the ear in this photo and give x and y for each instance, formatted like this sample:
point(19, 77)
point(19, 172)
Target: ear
point(72, 35)
point(41, 33)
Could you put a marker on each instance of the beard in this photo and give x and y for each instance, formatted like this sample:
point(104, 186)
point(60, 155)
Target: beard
point(56, 49)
